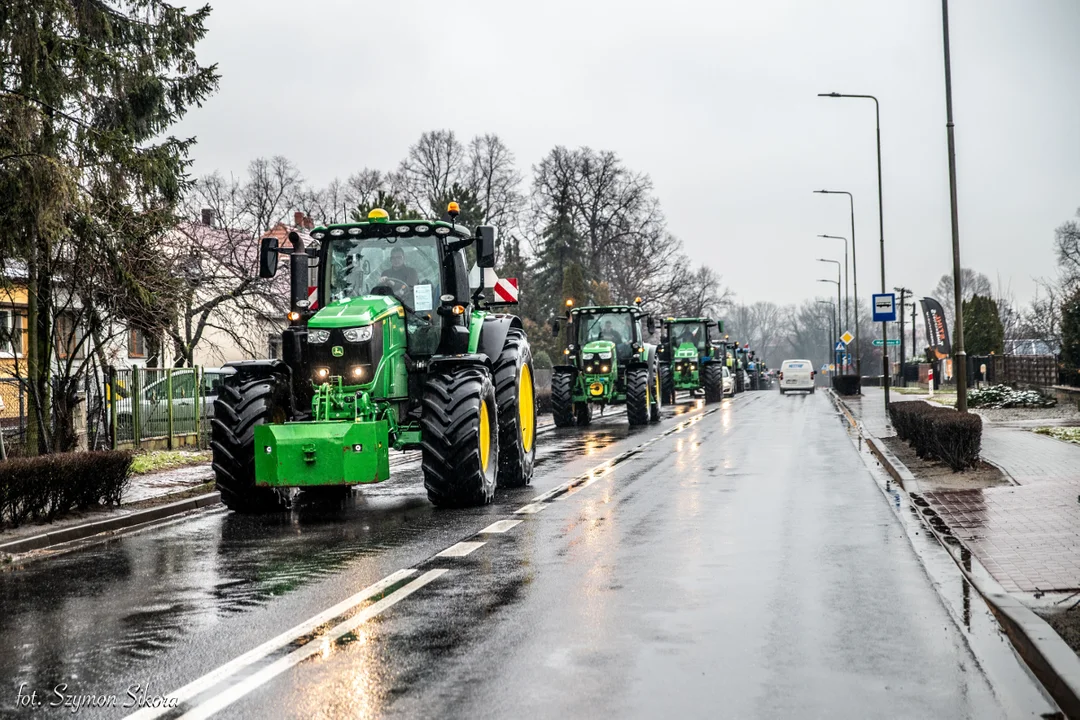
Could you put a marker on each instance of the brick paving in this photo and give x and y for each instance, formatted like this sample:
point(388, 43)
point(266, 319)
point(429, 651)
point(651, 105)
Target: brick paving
point(1028, 535)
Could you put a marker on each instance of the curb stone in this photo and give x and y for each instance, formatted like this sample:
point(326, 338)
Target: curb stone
point(1048, 656)
point(79, 532)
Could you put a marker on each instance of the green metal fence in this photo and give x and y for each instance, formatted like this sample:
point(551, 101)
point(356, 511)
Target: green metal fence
point(160, 407)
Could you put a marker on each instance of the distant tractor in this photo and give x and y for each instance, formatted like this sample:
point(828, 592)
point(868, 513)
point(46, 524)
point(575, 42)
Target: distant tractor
point(397, 352)
point(692, 357)
point(607, 363)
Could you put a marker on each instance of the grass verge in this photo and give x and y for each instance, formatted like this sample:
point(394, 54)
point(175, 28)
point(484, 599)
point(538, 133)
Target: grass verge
point(1067, 434)
point(158, 460)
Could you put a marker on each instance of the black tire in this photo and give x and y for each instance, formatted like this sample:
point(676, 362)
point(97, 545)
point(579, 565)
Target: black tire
point(667, 384)
point(562, 397)
point(517, 434)
point(242, 403)
point(811, 391)
point(712, 377)
point(637, 396)
point(781, 391)
point(455, 474)
point(655, 391)
point(583, 413)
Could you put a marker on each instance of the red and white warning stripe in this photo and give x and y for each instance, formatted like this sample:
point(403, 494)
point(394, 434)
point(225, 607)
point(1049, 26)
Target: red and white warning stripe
point(313, 297)
point(506, 290)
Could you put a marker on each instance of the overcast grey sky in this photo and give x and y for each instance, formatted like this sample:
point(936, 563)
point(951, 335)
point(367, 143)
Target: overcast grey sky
point(716, 100)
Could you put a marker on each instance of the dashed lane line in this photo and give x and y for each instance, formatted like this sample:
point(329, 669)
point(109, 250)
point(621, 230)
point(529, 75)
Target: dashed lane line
point(323, 646)
point(530, 509)
point(460, 549)
point(234, 666)
point(499, 527)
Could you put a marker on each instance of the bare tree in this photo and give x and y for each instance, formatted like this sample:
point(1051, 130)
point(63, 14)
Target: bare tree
point(495, 182)
point(433, 165)
point(1067, 244)
point(973, 283)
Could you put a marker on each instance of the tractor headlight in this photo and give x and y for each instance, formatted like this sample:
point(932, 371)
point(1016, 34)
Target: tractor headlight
point(360, 334)
point(317, 337)
point(604, 368)
point(588, 368)
point(587, 356)
point(357, 372)
point(605, 355)
point(322, 373)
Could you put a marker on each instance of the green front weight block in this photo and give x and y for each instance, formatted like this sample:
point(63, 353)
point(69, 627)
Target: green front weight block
point(307, 454)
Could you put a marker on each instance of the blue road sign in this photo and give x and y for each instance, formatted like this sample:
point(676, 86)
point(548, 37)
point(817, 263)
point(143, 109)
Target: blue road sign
point(840, 347)
point(885, 307)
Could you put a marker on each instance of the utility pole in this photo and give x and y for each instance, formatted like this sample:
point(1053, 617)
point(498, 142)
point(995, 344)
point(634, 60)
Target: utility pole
point(959, 354)
point(903, 292)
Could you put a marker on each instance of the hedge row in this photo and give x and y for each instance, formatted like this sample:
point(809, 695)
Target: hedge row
point(846, 384)
point(43, 487)
point(938, 433)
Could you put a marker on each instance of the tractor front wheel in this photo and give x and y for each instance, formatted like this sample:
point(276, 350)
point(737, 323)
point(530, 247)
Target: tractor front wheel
point(637, 395)
point(713, 377)
point(241, 404)
point(562, 397)
point(655, 389)
point(514, 393)
point(460, 437)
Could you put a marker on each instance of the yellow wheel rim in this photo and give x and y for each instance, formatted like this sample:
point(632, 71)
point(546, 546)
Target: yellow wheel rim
point(526, 409)
point(485, 437)
point(658, 386)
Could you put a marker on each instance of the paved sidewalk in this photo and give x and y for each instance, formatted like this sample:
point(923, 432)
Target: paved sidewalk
point(1028, 535)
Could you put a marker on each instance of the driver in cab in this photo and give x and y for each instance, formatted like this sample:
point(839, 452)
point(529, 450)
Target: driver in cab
point(399, 275)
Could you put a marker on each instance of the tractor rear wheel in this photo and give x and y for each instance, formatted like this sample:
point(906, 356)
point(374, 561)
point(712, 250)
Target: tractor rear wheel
point(242, 403)
point(637, 395)
point(713, 378)
point(514, 394)
point(562, 397)
point(583, 413)
point(460, 437)
point(655, 390)
point(667, 384)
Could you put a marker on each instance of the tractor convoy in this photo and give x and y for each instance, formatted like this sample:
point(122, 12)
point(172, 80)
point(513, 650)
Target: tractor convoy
point(390, 347)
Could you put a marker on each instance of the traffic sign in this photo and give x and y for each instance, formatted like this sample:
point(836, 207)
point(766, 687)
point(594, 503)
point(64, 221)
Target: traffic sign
point(846, 338)
point(840, 347)
point(885, 307)
point(893, 342)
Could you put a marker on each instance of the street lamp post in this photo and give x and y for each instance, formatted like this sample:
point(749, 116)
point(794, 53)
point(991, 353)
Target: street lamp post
point(854, 278)
point(838, 304)
point(959, 353)
point(881, 228)
point(904, 292)
point(847, 287)
point(833, 329)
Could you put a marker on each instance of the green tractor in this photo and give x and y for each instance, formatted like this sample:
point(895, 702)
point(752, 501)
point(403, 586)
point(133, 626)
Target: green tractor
point(397, 352)
point(608, 363)
point(691, 356)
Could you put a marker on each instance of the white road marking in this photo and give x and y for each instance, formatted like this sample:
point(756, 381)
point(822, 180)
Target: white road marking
point(461, 549)
point(530, 509)
point(234, 666)
point(268, 673)
point(500, 527)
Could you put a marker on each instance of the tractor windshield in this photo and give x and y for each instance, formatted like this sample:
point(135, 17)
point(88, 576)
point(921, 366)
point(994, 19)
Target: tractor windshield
point(405, 266)
point(692, 333)
point(616, 327)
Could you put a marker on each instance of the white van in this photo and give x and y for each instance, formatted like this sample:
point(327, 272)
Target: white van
point(797, 375)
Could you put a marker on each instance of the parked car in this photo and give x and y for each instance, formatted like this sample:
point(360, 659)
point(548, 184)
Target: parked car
point(728, 382)
point(797, 375)
point(153, 402)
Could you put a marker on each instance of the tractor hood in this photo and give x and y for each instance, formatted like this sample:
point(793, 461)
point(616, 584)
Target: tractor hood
point(599, 346)
point(686, 350)
point(353, 312)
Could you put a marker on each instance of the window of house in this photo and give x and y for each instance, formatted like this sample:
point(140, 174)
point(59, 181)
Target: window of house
point(136, 343)
point(68, 337)
point(274, 349)
point(10, 335)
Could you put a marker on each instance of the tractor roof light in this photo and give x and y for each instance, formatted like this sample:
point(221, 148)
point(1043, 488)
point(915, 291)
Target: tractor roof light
point(453, 209)
point(378, 215)
point(569, 302)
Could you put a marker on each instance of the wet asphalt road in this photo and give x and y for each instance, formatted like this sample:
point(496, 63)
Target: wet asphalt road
point(738, 561)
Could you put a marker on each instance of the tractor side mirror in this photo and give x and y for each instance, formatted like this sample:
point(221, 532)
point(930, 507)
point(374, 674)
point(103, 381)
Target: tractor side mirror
point(485, 246)
point(268, 257)
point(555, 328)
point(650, 323)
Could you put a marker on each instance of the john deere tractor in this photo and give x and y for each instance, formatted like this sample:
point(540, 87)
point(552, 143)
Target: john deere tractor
point(691, 358)
point(397, 352)
point(607, 363)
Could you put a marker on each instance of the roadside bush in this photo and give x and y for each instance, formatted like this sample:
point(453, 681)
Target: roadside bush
point(938, 433)
point(46, 486)
point(846, 384)
point(1003, 396)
